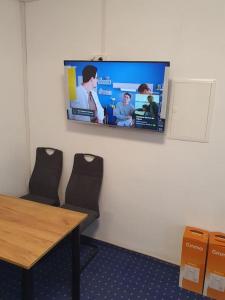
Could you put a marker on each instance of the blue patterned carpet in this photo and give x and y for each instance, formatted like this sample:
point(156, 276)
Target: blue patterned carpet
point(114, 274)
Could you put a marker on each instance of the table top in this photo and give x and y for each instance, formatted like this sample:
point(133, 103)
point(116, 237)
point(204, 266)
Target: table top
point(28, 230)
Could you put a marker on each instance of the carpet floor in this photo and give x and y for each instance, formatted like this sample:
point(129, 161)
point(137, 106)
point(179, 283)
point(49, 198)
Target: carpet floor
point(114, 274)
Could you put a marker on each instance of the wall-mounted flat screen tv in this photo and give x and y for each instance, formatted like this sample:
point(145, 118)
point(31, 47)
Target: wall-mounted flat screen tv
point(131, 94)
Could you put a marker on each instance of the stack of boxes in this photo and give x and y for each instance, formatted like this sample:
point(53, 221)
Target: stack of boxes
point(215, 271)
point(194, 253)
point(203, 262)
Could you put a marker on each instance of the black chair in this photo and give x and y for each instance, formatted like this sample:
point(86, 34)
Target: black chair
point(44, 181)
point(82, 192)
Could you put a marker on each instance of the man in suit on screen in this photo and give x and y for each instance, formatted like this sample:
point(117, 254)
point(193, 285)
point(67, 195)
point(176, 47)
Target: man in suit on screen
point(87, 106)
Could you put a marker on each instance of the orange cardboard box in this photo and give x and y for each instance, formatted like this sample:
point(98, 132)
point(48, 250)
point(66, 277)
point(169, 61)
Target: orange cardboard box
point(193, 259)
point(214, 286)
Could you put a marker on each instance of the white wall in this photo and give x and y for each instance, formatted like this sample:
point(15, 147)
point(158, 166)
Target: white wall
point(14, 154)
point(153, 186)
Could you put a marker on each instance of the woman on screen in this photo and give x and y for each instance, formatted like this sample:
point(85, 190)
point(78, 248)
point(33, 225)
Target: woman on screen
point(144, 89)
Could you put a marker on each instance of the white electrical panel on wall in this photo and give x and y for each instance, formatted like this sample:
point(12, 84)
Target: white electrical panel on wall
point(191, 106)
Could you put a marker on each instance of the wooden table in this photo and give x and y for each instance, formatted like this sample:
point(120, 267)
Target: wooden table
point(29, 230)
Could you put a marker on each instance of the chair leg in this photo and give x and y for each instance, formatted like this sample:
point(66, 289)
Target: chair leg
point(85, 241)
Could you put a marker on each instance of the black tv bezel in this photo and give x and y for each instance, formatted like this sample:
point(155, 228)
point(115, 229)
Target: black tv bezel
point(116, 61)
point(122, 61)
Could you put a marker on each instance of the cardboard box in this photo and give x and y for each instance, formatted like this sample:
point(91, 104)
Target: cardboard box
point(193, 259)
point(214, 286)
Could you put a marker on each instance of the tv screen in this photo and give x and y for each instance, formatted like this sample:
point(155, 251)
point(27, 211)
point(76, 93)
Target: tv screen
point(117, 93)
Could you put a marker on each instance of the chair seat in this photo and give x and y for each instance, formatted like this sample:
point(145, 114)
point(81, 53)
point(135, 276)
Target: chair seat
point(41, 199)
point(92, 215)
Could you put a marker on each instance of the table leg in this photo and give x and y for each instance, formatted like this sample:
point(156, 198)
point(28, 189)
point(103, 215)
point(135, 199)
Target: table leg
point(27, 284)
point(76, 264)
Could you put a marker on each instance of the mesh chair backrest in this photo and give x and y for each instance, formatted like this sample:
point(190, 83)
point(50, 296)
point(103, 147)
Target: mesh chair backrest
point(85, 182)
point(47, 171)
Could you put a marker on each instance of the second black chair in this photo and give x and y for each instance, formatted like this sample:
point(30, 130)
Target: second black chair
point(83, 189)
point(44, 181)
